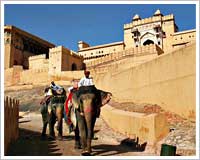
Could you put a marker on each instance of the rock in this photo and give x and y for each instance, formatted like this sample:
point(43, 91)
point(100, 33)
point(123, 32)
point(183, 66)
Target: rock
point(178, 137)
point(182, 145)
point(180, 141)
point(168, 141)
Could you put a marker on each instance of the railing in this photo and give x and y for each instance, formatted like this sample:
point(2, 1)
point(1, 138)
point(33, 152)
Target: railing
point(11, 116)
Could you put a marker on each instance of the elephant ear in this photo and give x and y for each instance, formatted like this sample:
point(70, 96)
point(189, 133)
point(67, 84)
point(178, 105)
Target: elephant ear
point(105, 97)
point(73, 116)
point(75, 101)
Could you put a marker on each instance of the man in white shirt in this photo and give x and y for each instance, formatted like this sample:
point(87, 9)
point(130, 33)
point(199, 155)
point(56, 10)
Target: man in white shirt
point(87, 80)
point(54, 86)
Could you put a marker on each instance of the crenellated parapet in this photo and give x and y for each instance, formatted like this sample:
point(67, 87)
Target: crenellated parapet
point(41, 56)
point(38, 62)
point(148, 20)
point(138, 51)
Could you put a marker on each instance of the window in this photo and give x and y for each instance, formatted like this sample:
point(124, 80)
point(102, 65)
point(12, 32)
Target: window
point(158, 42)
point(73, 67)
point(7, 40)
point(91, 53)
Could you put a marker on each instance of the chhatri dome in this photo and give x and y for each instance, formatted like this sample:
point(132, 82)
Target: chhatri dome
point(136, 17)
point(157, 13)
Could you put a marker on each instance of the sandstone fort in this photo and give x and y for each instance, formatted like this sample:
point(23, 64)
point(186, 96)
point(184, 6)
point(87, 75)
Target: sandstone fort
point(155, 63)
point(153, 51)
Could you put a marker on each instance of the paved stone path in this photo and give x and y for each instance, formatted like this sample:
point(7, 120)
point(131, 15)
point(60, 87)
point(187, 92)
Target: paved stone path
point(183, 136)
point(108, 143)
point(182, 133)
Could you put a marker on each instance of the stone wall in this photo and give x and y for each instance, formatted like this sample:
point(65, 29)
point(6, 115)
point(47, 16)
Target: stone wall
point(182, 38)
point(149, 128)
point(101, 50)
point(17, 75)
point(34, 76)
point(38, 62)
point(62, 59)
point(168, 80)
point(12, 75)
point(145, 52)
point(69, 75)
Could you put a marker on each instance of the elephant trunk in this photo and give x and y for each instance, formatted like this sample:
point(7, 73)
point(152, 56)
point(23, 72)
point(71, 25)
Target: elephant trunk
point(89, 131)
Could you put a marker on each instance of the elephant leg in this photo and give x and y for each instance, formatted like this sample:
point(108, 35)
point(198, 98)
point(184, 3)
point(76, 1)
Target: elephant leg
point(77, 138)
point(52, 121)
point(82, 130)
point(44, 128)
point(93, 124)
point(45, 122)
point(59, 115)
point(90, 132)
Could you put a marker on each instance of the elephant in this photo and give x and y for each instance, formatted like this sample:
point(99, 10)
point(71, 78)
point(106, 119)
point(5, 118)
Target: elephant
point(55, 111)
point(88, 102)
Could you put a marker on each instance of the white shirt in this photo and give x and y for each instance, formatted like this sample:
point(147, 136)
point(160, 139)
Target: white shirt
point(56, 87)
point(70, 88)
point(49, 93)
point(85, 82)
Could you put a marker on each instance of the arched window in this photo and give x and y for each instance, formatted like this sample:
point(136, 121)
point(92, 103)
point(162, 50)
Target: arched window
point(147, 42)
point(83, 66)
point(15, 62)
point(74, 67)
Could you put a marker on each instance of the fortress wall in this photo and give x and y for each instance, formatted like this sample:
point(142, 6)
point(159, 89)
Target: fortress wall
point(34, 76)
point(100, 50)
point(17, 75)
point(38, 62)
point(139, 51)
point(168, 80)
point(70, 75)
point(12, 75)
point(184, 37)
point(148, 128)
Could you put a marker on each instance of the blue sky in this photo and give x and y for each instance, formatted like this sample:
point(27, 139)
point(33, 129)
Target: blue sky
point(64, 24)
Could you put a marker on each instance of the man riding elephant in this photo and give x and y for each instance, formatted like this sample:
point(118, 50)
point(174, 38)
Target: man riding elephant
point(55, 110)
point(88, 100)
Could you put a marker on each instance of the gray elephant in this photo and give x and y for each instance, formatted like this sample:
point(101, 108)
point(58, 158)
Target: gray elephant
point(55, 112)
point(88, 102)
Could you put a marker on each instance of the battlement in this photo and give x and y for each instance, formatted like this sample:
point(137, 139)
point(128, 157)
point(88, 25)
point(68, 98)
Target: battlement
point(148, 20)
point(168, 17)
point(138, 51)
point(75, 54)
point(62, 49)
point(41, 56)
point(58, 49)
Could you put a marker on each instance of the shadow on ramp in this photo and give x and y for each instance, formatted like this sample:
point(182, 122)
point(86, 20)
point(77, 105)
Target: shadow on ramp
point(29, 143)
point(126, 145)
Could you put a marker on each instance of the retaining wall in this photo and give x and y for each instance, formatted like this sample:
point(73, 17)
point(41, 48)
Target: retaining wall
point(168, 80)
point(148, 128)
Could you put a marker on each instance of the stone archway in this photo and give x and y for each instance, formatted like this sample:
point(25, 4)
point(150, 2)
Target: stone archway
point(148, 41)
